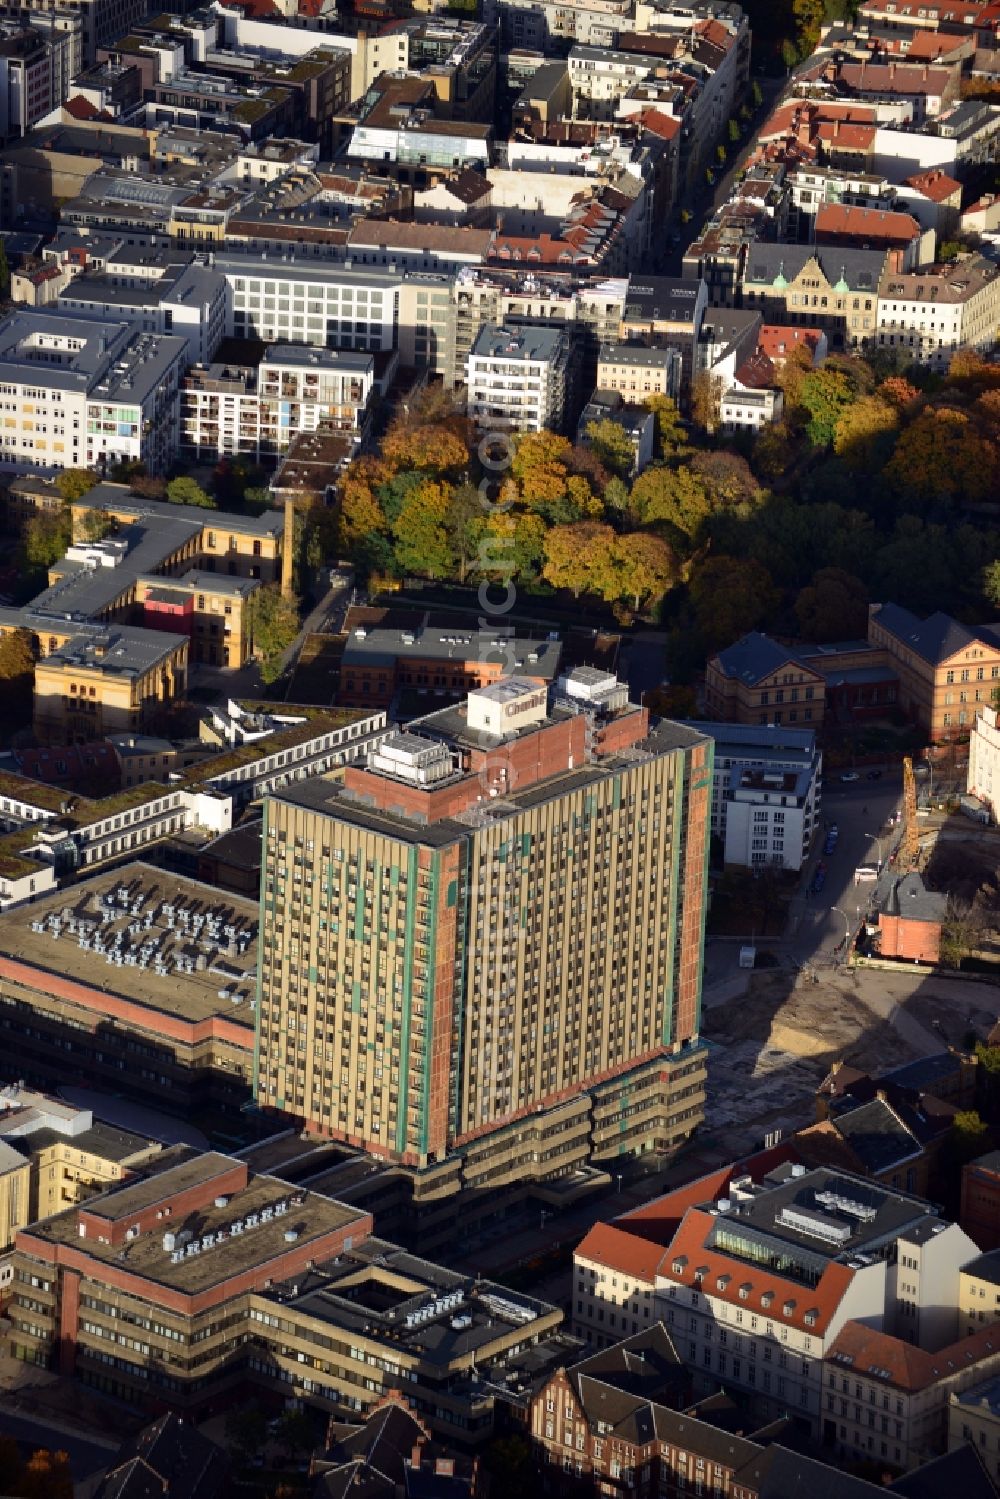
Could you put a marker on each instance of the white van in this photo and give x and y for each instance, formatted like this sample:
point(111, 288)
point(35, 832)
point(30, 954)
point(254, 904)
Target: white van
point(866, 872)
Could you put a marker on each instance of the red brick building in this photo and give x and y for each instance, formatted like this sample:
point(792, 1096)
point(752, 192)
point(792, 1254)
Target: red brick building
point(980, 1212)
point(910, 923)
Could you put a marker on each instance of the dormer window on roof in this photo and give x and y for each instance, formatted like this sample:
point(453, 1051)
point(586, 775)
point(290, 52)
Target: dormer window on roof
point(811, 1317)
point(723, 1281)
point(767, 1298)
point(679, 1264)
point(745, 1291)
point(787, 1308)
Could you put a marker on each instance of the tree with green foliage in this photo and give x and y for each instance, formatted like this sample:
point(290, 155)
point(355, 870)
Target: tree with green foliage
point(294, 1432)
point(734, 129)
point(258, 498)
point(462, 514)
point(674, 496)
point(187, 491)
point(730, 596)
point(509, 1463)
point(833, 606)
point(17, 672)
point(642, 568)
point(246, 1431)
point(421, 535)
point(968, 1137)
point(74, 483)
point(612, 445)
point(756, 94)
point(865, 432)
point(46, 537)
point(578, 557)
point(96, 525)
point(825, 395)
point(274, 624)
point(942, 457)
point(671, 433)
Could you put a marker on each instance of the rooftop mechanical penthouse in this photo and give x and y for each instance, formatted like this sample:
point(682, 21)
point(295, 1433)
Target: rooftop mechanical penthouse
point(484, 947)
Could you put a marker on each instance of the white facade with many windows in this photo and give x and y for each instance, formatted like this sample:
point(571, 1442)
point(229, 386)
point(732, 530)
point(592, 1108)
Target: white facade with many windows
point(516, 378)
point(932, 314)
point(282, 300)
point(76, 394)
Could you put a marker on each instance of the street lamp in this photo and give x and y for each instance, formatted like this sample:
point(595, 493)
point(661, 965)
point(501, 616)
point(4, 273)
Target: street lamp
point(874, 838)
point(847, 926)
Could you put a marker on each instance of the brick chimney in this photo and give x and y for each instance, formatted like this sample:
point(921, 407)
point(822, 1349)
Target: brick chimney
point(288, 550)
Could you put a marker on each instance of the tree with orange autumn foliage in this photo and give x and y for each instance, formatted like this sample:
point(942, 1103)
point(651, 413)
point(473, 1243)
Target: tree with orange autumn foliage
point(942, 457)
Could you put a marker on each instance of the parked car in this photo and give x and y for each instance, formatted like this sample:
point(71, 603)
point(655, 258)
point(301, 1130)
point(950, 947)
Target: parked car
point(849, 775)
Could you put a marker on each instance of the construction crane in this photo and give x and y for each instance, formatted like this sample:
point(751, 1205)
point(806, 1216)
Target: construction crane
point(910, 843)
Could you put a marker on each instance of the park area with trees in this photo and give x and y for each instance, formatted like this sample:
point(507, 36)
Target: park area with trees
point(876, 485)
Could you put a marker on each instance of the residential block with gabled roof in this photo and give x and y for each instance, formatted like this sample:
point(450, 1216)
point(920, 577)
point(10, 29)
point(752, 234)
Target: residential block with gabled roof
point(833, 287)
point(756, 1270)
point(613, 1422)
point(883, 1396)
point(760, 681)
point(945, 668)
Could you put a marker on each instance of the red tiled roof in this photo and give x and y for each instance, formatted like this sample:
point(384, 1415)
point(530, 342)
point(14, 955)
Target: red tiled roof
point(784, 120)
point(81, 108)
point(734, 1281)
point(657, 123)
point(878, 1354)
point(714, 31)
point(847, 137)
point(930, 45)
point(885, 78)
point(934, 185)
point(756, 372)
point(870, 223)
point(623, 1251)
point(777, 341)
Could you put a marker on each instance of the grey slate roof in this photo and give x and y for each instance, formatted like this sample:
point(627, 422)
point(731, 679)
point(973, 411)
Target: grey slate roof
point(986, 1267)
point(859, 270)
point(876, 1136)
point(910, 899)
point(958, 1472)
point(754, 657)
point(168, 1456)
point(936, 639)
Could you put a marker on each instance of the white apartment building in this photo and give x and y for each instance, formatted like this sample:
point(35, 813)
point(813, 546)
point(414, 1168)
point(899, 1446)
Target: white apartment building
point(516, 378)
point(188, 300)
point(743, 409)
point(983, 776)
point(757, 1276)
point(227, 410)
point(932, 313)
point(283, 300)
point(533, 25)
point(77, 394)
point(638, 372)
point(600, 77)
point(885, 1399)
point(766, 793)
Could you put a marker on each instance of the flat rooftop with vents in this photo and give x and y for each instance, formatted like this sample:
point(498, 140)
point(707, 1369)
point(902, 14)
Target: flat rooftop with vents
point(798, 1220)
point(194, 1224)
point(382, 1292)
point(185, 949)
